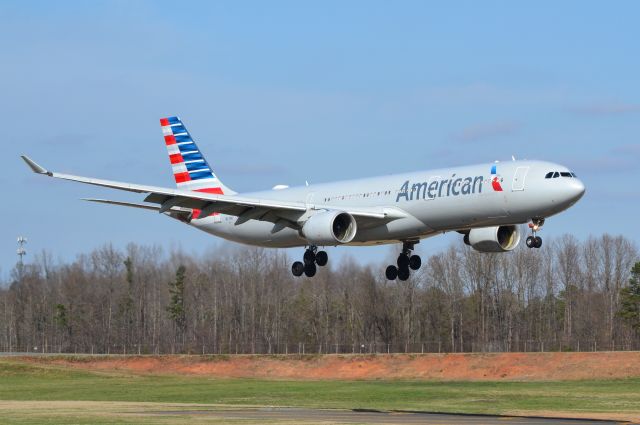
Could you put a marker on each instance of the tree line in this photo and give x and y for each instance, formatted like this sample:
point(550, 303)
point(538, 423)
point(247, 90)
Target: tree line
point(570, 295)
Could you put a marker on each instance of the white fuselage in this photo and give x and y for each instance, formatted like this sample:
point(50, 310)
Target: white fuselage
point(430, 202)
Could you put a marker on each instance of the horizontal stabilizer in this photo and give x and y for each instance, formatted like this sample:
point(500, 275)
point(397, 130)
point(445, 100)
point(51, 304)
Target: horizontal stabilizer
point(123, 204)
point(135, 205)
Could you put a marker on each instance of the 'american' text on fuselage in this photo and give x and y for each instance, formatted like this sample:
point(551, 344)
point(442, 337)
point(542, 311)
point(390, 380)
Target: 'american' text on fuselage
point(438, 187)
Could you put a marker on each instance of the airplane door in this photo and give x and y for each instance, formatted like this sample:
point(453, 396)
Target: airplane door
point(309, 200)
point(519, 178)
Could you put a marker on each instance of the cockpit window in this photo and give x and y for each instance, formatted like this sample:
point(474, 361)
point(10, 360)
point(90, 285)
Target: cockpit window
point(556, 174)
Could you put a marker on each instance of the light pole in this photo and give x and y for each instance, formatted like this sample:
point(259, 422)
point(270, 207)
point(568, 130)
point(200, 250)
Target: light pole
point(20, 272)
point(21, 253)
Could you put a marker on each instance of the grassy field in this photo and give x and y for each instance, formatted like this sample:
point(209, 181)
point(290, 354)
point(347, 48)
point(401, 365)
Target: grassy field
point(31, 393)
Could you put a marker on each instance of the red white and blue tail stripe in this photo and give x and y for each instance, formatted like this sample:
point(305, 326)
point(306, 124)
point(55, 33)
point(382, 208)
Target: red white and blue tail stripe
point(190, 168)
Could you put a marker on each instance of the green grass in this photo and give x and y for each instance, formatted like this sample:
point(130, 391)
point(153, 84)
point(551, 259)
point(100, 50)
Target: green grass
point(22, 381)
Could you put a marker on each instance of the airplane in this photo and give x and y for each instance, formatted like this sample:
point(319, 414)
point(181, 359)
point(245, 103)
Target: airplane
point(486, 204)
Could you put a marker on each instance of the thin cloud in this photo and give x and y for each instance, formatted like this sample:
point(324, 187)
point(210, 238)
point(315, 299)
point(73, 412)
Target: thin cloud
point(487, 131)
point(251, 169)
point(633, 150)
point(618, 159)
point(616, 195)
point(66, 141)
point(608, 108)
point(605, 164)
point(486, 94)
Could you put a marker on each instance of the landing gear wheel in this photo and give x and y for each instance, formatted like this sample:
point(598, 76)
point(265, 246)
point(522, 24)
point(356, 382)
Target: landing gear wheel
point(415, 262)
point(297, 268)
point(391, 272)
point(403, 273)
point(538, 241)
point(534, 241)
point(406, 262)
point(322, 258)
point(309, 257)
point(308, 264)
point(531, 242)
point(310, 270)
point(403, 261)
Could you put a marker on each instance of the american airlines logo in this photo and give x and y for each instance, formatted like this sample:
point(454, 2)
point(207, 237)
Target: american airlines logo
point(438, 187)
point(495, 179)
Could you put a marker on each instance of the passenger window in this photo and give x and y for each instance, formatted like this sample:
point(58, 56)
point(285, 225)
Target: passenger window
point(549, 175)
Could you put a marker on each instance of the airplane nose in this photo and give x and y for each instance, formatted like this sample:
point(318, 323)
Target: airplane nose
point(575, 190)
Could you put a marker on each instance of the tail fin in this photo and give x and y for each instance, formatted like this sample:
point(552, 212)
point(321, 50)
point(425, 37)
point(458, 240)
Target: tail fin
point(190, 169)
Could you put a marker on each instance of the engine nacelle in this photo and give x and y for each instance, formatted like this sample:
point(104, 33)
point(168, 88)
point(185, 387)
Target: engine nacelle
point(330, 228)
point(494, 239)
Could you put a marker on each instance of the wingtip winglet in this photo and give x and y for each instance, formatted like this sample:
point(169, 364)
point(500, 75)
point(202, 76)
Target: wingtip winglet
point(34, 166)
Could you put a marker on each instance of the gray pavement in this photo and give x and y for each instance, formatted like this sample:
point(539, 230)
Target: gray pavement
point(300, 415)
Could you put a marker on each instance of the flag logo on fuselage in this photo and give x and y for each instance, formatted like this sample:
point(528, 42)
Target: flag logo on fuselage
point(495, 179)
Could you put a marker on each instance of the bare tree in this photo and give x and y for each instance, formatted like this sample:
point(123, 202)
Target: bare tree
point(565, 296)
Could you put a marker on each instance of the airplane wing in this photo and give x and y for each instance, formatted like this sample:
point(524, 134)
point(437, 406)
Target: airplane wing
point(287, 213)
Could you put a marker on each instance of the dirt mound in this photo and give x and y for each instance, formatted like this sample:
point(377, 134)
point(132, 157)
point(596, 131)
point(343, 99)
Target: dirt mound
point(499, 366)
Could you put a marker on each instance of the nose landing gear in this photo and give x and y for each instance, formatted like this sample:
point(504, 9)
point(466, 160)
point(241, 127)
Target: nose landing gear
point(311, 258)
point(405, 262)
point(534, 241)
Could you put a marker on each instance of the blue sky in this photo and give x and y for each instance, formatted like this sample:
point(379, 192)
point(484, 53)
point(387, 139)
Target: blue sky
point(283, 92)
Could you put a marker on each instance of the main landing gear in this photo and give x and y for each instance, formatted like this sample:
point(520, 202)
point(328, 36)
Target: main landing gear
point(405, 262)
point(311, 258)
point(534, 241)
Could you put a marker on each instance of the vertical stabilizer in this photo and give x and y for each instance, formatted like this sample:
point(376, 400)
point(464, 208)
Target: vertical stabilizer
point(190, 168)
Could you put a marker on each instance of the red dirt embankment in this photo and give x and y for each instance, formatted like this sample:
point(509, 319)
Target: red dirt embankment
point(499, 366)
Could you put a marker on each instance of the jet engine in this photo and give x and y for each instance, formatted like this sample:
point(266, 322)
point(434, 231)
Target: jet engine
point(330, 228)
point(493, 239)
